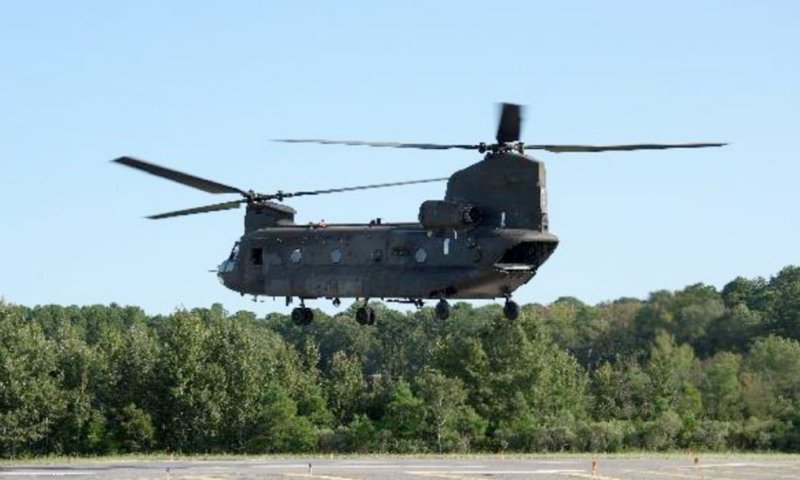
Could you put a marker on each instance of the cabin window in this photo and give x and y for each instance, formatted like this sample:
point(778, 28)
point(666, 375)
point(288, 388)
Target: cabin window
point(421, 255)
point(336, 255)
point(295, 256)
point(256, 256)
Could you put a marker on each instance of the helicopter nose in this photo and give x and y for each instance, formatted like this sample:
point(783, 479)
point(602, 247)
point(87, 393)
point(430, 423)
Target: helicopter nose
point(223, 270)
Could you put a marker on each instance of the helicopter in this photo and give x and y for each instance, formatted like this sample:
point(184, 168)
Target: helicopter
point(484, 240)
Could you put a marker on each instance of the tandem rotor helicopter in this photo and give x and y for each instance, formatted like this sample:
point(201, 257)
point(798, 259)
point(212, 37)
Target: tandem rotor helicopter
point(485, 239)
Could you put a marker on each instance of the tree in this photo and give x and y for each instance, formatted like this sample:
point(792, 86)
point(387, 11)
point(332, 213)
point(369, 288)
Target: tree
point(278, 428)
point(30, 403)
point(673, 370)
point(771, 380)
point(345, 385)
point(404, 418)
point(190, 391)
point(784, 308)
point(450, 421)
point(722, 391)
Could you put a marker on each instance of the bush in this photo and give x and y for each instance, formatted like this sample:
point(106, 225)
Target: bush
point(603, 436)
point(662, 433)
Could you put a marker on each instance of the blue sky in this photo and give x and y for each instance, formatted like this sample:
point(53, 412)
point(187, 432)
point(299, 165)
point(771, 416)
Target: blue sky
point(203, 87)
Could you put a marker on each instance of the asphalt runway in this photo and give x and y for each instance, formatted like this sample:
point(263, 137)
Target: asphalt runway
point(351, 468)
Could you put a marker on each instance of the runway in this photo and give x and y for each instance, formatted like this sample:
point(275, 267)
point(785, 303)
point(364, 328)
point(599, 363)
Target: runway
point(375, 467)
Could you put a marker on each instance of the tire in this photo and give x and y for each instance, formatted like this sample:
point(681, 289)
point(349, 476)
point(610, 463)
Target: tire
point(511, 310)
point(362, 315)
point(308, 316)
point(298, 316)
point(442, 310)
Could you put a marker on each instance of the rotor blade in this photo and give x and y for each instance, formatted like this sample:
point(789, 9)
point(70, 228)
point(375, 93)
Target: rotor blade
point(350, 189)
point(176, 176)
point(510, 123)
point(612, 148)
point(191, 211)
point(423, 146)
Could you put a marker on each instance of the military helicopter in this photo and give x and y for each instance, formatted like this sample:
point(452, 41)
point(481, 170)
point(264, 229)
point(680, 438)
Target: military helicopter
point(484, 240)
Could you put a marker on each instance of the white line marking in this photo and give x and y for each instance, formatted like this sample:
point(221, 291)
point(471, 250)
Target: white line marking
point(46, 473)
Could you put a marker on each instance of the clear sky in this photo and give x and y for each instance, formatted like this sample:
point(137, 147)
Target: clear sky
point(203, 87)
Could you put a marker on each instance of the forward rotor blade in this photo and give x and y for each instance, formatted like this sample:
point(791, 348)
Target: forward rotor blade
point(350, 189)
point(191, 211)
point(422, 146)
point(508, 128)
point(176, 176)
point(616, 148)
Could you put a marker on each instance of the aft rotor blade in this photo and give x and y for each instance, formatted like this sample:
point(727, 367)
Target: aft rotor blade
point(617, 148)
point(350, 189)
point(508, 129)
point(176, 176)
point(358, 143)
point(191, 211)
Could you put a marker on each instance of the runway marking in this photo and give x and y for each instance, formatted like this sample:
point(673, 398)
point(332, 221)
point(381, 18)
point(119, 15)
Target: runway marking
point(460, 474)
point(45, 473)
point(444, 475)
point(309, 475)
point(280, 465)
point(201, 477)
point(589, 475)
point(680, 475)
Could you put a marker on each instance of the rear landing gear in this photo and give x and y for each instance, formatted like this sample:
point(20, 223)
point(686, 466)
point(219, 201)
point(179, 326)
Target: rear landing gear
point(302, 315)
point(365, 315)
point(442, 309)
point(511, 309)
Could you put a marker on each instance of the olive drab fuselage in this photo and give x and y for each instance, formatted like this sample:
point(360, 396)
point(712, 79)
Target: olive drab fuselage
point(484, 240)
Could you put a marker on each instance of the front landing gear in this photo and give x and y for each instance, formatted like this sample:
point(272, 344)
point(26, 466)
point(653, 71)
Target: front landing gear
point(511, 309)
point(442, 309)
point(302, 315)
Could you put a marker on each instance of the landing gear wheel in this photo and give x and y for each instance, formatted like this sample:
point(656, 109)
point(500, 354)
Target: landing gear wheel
point(442, 310)
point(302, 316)
point(511, 310)
point(365, 316)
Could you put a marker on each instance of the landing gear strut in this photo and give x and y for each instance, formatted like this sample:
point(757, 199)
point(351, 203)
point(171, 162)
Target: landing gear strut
point(511, 309)
point(365, 315)
point(302, 315)
point(442, 309)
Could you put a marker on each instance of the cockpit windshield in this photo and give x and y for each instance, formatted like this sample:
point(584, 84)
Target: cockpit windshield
point(234, 252)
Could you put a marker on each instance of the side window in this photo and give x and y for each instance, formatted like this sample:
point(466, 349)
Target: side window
point(296, 256)
point(256, 256)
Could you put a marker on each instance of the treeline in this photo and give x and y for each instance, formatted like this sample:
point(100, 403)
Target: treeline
point(697, 368)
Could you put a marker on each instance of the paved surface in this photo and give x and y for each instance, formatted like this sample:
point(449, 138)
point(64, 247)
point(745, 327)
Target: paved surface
point(429, 468)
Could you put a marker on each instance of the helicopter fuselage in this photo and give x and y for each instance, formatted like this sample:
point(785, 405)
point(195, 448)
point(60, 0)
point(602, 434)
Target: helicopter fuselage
point(400, 260)
point(485, 239)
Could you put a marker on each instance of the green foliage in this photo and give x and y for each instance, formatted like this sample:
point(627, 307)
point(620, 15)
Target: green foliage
point(135, 432)
point(696, 369)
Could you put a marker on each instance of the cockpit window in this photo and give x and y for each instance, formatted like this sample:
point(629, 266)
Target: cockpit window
point(234, 252)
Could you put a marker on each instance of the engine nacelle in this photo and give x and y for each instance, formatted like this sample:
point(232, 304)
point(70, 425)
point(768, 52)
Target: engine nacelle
point(443, 215)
